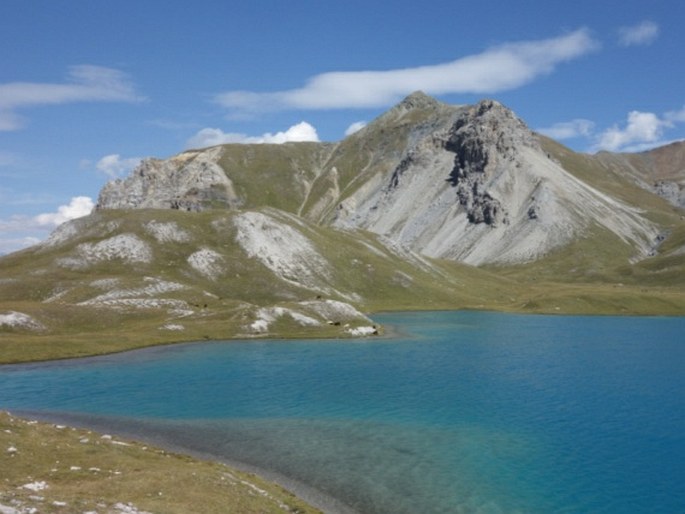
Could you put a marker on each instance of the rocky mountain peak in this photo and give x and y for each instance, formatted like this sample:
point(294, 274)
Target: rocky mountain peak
point(474, 184)
point(418, 100)
point(493, 123)
point(484, 138)
point(416, 103)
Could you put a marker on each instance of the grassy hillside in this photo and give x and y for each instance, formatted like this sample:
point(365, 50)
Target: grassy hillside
point(81, 294)
point(278, 176)
point(84, 304)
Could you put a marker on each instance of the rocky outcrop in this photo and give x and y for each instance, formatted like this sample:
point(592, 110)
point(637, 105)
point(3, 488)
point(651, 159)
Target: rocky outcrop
point(191, 181)
point(481, 139)
point(19, 321)
point(672, 191)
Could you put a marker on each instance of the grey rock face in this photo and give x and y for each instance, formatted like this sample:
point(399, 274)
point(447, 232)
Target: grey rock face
point(481, 138)
point(474, 185)
point(191, 181)
point(671, 191)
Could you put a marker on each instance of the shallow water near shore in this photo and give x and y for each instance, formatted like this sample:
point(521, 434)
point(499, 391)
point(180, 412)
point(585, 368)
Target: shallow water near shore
point(459, 412)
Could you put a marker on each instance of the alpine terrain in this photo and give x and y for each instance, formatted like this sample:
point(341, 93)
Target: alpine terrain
point(430, 206)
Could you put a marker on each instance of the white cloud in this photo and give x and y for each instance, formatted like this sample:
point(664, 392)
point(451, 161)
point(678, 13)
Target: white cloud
point(114, 166)
point(78, 207)
point(214, 136)
point(643, 33)
point(8, 245)
point(303, 131)
point(569, 129)
point(497, 69)
point(676, 116)
point(642, 130)
point(85, 83)
point(33, 229)
point(355, 127)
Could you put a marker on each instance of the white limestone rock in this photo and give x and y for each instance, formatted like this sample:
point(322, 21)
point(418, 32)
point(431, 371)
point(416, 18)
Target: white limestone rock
point(207, 262)
point(19, 320)
point(284, 250)
point(190, 181)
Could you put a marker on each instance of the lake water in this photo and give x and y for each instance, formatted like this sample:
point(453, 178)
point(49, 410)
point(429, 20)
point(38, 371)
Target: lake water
point(457, 412)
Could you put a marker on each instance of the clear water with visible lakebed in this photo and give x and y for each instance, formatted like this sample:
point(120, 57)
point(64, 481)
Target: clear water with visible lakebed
point(456, 412)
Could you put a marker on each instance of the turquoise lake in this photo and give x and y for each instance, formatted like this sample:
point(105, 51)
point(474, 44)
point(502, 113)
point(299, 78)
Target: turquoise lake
point(456, 412)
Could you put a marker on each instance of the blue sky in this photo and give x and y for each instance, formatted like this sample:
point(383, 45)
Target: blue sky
point(89, 87)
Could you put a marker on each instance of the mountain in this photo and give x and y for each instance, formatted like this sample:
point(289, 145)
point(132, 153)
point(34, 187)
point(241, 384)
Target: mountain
point(661, 170)
point(479, 188)
point(468, 183)
point(430, 206)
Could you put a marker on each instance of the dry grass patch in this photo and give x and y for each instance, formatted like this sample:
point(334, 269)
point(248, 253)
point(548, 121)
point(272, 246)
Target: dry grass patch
point(52, 468)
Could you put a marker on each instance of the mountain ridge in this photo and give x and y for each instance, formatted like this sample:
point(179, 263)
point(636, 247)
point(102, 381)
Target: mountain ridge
point(480, 165)
point(430, 206)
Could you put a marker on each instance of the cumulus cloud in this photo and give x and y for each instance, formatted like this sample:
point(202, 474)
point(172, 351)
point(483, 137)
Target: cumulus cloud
point(78, 207)
point(303, 131)
point(569, 129)
point(497, 69)
point(355, 127)
point(642, 130)
point(114, 166)
point(643, 33)
point(84, 83)
point(34, 228)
